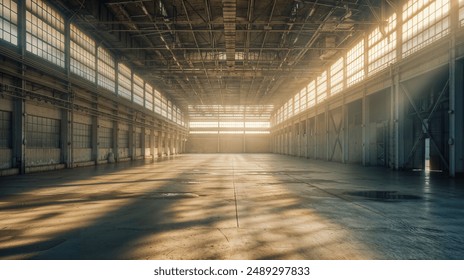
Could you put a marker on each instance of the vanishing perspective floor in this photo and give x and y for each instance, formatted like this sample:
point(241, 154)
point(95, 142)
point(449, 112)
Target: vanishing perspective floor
point(231, 206)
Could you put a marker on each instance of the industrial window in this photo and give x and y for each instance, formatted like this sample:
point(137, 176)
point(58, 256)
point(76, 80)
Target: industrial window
point(355, 64)
point(296, 103)
point(82, 54)
point(230, 124)
point(5, 129)
point(424, 22)
point(278, 116)
point(303, 99)
point(138, 140)
point(138, 90)
point(287, 110)
point(169, 110)
point(124, 81)
point(106, 73)
point(157, 102)
point(105, 136)
point(204, 124)
point(203, 132)
point(123, 139)
point(321, 87)
point(311, 94)
point(45, 32)
point(257, 124)
point(42, 132)
point(164, 107)
point(182, 118)
point(336, 76)
point(174, 113)
point(257, 132)
point(382, 46)
point(461, 12)
point(82, 135)
point(148, 97)
point(9, 21)
point(231, 132)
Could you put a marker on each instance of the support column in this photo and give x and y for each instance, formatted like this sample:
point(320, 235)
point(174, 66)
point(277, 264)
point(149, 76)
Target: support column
point(115, 147)
point(19, 105)
point(365, 131)
point(132, 141)
point(160, 143)
point(66, 131)
point(152, 143)
point(19, 135)
point(397, 122)
point(456, 118)
point(344, 132)
point(456, 103)
point(94, 137)
point(326, 120)
point(143, 142)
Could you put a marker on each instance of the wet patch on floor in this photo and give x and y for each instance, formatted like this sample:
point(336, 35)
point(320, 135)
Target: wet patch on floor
point(383, 195)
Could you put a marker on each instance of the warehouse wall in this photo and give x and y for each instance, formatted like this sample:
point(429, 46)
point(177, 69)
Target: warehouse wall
point(41, 130)
point(228, 143)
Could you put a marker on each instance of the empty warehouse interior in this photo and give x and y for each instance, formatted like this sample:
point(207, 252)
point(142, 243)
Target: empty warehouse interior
point(231, 129)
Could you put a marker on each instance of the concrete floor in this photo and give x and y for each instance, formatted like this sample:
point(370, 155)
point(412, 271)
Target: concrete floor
point(231, 206)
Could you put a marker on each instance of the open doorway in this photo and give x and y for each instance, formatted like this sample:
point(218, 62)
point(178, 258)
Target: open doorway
point(427, 155)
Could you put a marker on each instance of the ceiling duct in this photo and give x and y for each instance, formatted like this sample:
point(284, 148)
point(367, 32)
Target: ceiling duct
point(330, 44)
point(229, 14)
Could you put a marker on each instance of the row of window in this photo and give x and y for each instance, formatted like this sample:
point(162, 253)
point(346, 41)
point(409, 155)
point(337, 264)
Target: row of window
point(229, 132)
point(424, 21)
point(45, 38)
point(236, 124)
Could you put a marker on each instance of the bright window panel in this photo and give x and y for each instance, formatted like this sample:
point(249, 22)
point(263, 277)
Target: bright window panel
point(157, 102)
point(230, 124)
point(9, 21)
point(44, 32)
point(424, 22)
point(322, 87)
point(204, 124)
point(296, 103)
point(106, 72)
point(303, 99)
point(82, 54)
point(256, 132)
point(148, 97)
point(382, 46)
point(355, 64)
point(231, 132)
point(311, 94)
point(461, 12)
point(124, 81)
point(336, 76)
point(257, 125)
point(203, 132)
point(138, 90)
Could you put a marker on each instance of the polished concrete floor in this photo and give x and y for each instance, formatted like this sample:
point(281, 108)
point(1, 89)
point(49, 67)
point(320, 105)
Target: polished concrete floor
point(231, 206)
